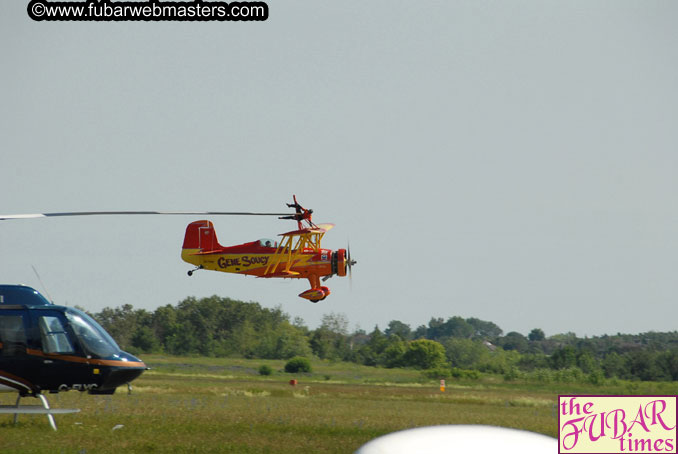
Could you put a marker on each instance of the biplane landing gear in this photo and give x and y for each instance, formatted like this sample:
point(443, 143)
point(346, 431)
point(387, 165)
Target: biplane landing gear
point(190, 272)
point(316, 294)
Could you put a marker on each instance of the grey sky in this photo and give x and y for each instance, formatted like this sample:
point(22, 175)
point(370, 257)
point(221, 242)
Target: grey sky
point(511, 161)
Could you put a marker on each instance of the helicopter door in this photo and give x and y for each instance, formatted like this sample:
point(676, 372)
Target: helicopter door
point(14, 359)
point(63, 365)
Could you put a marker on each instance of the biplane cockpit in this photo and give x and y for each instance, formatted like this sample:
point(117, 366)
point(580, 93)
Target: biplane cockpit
point(267, 242)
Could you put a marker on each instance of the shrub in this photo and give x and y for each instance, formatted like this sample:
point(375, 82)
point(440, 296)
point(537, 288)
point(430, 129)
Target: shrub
point(424, 354)
point(464, 374)
point(439, 373)
point(265, 370)
point(513, 374)
point(298, 364)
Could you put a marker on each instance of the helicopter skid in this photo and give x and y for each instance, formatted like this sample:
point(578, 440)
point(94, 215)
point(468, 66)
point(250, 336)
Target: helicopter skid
point(43, 409)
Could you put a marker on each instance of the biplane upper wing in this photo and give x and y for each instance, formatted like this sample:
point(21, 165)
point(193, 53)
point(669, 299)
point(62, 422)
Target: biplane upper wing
point(325, 227)
point(320, 228)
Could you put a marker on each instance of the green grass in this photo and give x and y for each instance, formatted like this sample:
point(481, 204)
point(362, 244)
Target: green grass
point(210, 405)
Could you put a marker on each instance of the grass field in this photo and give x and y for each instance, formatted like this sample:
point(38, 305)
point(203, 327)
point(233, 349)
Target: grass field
point(210, 405)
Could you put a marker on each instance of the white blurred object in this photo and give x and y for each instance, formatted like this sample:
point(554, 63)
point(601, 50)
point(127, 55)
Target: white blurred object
point(461, 439)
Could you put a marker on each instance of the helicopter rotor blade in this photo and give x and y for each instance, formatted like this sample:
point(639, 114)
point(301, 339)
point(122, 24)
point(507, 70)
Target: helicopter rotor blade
point(4, 217)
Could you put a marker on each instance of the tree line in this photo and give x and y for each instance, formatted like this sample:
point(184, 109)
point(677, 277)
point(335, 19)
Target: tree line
point(452, 347)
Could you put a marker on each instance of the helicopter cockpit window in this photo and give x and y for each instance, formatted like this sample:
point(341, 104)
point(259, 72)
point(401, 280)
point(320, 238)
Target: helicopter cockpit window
point(265, 242)
point(92, 337)
point(12, 335)
point(54, 336)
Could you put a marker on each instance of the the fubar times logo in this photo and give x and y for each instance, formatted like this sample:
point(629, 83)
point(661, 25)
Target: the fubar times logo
point(590, 424)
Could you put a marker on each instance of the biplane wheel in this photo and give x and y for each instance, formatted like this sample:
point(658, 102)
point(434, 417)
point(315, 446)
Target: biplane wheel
point(190, 272)
point(315, 301)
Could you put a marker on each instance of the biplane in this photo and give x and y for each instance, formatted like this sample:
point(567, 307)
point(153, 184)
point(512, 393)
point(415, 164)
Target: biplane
point(298, 254)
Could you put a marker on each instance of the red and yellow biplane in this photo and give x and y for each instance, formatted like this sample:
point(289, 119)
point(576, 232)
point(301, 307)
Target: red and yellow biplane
point(298, 255)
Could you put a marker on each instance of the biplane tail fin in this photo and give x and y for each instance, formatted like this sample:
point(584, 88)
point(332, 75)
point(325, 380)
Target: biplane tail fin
point(201, 235)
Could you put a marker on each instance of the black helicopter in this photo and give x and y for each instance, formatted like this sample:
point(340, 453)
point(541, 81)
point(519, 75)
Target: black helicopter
point(45, 348)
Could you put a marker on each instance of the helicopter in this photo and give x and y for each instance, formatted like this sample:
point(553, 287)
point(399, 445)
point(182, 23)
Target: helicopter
point(45, 348)
point(298, 255)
